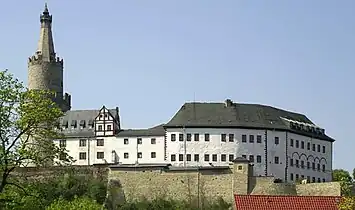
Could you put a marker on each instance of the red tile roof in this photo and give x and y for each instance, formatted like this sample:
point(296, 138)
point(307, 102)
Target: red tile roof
point(273, 202)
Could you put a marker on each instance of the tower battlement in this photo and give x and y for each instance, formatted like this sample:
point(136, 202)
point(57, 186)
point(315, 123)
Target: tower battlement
point(38, 60)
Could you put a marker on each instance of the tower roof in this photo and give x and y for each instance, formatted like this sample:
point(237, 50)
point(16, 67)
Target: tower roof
point(45, 46)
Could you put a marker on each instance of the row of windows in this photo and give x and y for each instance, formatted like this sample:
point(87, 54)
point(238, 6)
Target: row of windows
point(101, 142)
point(101, 155)
point(206, 157)
point(298, 144)
point(223, 138)
point(298, 178)
point(297, 164)
point(108, 128)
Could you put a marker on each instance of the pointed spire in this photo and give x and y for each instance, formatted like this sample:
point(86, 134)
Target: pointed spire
point(45, 44)
point(45, 9)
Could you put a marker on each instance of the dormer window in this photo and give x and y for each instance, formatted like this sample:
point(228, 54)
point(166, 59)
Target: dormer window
point(65, 124)
point(91, 124)
point(82, 124)
point(73, 124)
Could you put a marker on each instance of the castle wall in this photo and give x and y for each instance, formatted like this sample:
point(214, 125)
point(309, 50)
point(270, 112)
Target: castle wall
point(207, 185)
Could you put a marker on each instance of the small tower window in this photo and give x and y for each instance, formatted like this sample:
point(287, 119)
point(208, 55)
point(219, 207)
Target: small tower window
point(240, 168)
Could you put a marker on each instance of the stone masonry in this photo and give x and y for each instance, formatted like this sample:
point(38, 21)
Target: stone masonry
point(198, 184)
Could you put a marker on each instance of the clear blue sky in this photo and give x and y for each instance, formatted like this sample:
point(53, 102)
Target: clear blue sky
point(149, 57)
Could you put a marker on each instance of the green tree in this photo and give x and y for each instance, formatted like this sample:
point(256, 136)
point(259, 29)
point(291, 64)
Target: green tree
point(345, 179)
point(27, 128)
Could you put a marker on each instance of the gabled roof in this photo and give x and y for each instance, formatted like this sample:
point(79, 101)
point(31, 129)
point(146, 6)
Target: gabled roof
point(239, 115)
point(274, 202)
point(87, 116)
point(154, 131)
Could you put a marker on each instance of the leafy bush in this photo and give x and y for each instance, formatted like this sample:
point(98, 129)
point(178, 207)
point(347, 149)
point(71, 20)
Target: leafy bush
point(76, 204)
point(162, 204)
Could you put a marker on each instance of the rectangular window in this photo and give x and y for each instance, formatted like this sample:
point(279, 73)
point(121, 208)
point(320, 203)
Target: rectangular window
point(99, 128)
point(302, 163)
point(308, 146)
point(196, 137)
point(214, 158)
point(323, 149)
point(126, 155)
point(109, 127)
point(181, 157)
point(318, 148)
point(308, 179)
point(277, 161)
point(223, 137)
point(100, 142)
point(173, 137)
point(231, 137)
point(100, 155)
point(291, 142)
point(139, 155)
point(207, 137)
point(196, 158)
point(188, 137)
point(258, 139)
point(244, 138)
point(251, 158)
point(323, 180)
point(125, 141)
point(139, 140)
point(318, 167)
point(258, 159)
point(153, 155)
point(251, 138)
point(188, 157)
point(223, 157)
point(181, 137)
point(323, 168)
point(62, 143)
point(313, 166)
point(82, 156)
point(313, 179)
point(297, 164)
point(308, 165)
point(82, 143)
point(318, 179)
point(207, 157)
point(153, 141)
point(277, 141)
point(244, 156)
point(291, 162)
point(302, 144)
point(291, 176)
point(297, 177)
point(297, 143)
point(231, 157)
point(314, 147)
point(173, 157)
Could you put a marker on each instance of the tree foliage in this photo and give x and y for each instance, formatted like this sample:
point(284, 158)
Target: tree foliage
point(27, 127)
point(345, 179)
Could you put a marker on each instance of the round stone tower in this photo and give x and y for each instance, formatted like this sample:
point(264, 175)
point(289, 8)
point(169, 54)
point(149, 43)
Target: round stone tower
point(45, 69)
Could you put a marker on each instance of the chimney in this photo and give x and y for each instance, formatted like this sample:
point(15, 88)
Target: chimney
point(228, 103)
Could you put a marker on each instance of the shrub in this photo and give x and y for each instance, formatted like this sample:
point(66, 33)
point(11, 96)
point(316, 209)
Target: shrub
point(77, 203)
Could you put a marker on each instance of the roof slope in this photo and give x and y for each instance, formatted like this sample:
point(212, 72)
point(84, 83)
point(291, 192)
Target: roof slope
point(154, 131)
point(256, 116)
point(268, 202)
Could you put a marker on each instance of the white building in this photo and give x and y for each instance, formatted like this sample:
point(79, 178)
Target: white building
point(279, 143)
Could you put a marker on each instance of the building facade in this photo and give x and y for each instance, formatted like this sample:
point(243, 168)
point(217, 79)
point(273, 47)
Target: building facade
point(279, 143)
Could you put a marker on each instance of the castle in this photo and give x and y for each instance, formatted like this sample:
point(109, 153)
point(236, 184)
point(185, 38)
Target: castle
point(279, 143)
